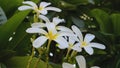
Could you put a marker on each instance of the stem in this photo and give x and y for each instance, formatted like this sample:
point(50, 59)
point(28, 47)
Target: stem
point(37, 62)
point(30, 59)
point(68, 51)
point(47, 53)
point(73, 54)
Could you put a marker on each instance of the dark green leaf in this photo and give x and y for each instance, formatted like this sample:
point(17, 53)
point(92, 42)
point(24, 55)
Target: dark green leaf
point(103, 20)
point(116, 23)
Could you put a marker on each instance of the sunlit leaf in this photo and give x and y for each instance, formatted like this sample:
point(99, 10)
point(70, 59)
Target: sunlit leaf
point(21, 62)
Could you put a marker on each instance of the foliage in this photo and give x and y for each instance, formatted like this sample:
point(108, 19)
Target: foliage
point(101, 17)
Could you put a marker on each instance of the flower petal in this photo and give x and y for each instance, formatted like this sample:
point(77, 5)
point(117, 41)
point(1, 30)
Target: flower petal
point(44, 12)
point(97, 45)
point(57, 20)
point(64, 33)
point(53, 9)
point(51, 28)
point(89, 50)
point(33, 30)
point(94, 67)
point(39, 41)
point(81, 61)
point(44, 18)
point(38, 25)
point(67, 65)
point(77, 32)
point(77, 48)
point(30, 3)
point(62, 42)
point(21, 8)
point(88, 38)
point(44, 4)
point(63, 28)
point(36, 30)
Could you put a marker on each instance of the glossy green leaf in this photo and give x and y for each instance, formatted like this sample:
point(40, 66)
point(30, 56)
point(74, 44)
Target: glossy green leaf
point(103, 20)
point(116, 23)
point(21, 62)
point(11, 25)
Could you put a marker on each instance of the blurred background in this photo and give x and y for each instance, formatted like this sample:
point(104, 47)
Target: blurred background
point(99, 17)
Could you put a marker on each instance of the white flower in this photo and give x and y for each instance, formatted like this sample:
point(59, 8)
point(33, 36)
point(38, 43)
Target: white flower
point(72, 43)
point(42, 8)
point(51, 34)
point(86, 42)
point(56, 21)
point(81, 63)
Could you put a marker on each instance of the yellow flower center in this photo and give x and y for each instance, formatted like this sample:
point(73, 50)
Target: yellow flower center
point(41, 8)
point(51, 36)
point(83, 44)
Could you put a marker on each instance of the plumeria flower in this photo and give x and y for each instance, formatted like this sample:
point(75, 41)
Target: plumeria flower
point(81, 63)
point(86, 42)
point(50, 34)
point(56, 21)
point(42, 8)
point(72, 44)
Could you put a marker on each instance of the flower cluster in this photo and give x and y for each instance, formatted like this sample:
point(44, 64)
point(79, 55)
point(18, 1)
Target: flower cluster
point(66, 38)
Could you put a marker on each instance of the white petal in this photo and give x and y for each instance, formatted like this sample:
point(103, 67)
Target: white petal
point(37, 25)
point(77, 48)
point(94, 67)
point(81, 61)
point(67, 65)
point(57, 20)
point(33, 30)
point(51, 28)
point(97, 45)
point(63, 28)
point(44, 18)
point(30, 3)
point(44, 4)
point(53, 9)
point(89, 37)
point(64, 33)
point(62, 42)
point(36, 30)
point(44, 12)
point(71, 40)
point(39, 41)
point(25, 8)
point(77, 32)
point(89, 50)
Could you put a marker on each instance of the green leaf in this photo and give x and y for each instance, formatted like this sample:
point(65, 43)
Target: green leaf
point(77, 2)
point(2, 65)
point(116, 23)
point(21, 62)
point(78, 22)
point(3, 17)
point(6, 54)
point(10, 6)
point(10, 26)
point(103, 20)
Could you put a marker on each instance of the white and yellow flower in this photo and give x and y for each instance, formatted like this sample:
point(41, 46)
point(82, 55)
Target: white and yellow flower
point(56, 21)
point(42, 8)
point(80, 61)
point(86, 42)
point(50, 34)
